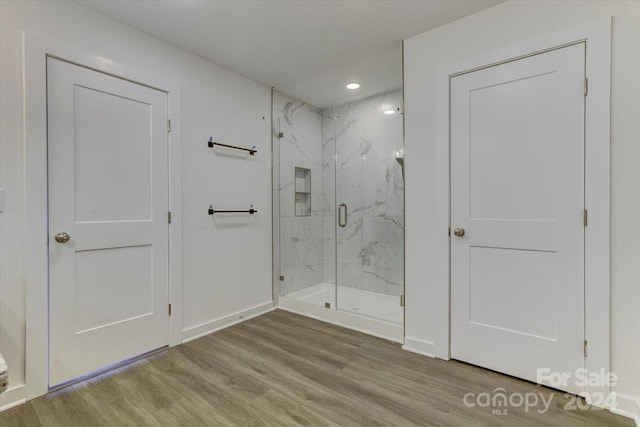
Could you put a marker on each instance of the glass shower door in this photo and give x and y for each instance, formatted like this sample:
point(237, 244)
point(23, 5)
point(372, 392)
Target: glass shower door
point(369, 204)
point(339, 206)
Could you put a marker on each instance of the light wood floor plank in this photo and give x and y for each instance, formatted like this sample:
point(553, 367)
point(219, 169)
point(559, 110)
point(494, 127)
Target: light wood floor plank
point(281, 369)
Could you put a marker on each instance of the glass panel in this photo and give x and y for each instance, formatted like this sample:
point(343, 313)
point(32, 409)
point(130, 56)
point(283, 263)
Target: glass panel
point(300, 212)
point(329, 224)
point(370, 206)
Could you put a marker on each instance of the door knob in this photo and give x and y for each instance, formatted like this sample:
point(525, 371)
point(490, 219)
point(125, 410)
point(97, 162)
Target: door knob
point(458, 231)
point(62, 237)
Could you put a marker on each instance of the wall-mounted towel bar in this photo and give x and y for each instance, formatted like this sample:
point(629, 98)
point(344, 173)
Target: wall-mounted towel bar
point(251, 150)
point(250, 211)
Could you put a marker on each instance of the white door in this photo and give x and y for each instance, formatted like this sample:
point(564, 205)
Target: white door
point(108, 190)
point(517, 190)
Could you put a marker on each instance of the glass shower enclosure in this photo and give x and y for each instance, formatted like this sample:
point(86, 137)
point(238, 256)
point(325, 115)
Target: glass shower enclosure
point(339, 205)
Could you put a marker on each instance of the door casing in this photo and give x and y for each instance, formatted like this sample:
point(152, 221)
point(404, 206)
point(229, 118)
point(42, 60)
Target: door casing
point(597, 37)
point(36, 50)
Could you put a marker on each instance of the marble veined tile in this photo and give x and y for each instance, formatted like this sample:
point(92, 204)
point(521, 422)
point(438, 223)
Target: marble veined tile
point(350, 151)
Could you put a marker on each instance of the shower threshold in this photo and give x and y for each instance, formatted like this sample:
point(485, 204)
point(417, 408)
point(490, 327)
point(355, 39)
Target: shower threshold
point(365, 311)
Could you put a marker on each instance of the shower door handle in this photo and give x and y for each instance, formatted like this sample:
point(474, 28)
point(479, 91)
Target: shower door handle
point(346, 214)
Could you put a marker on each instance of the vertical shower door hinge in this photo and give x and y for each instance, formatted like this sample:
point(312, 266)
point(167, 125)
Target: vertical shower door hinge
point(168, 125)
point(281, 135)
point(585, 218)
point(586, 348)
point(169, 309)
point(169, 217)
point(586, 86)
point(449, 231)
point(401, 300)
point(282, 278)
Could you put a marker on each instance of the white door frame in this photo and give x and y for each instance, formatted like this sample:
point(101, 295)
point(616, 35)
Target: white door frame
point(35, 253)
point(597, 36)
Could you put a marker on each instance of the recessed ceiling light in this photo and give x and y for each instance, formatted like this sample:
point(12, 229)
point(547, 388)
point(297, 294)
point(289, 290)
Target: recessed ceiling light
point(353, 85)
point(389, 111)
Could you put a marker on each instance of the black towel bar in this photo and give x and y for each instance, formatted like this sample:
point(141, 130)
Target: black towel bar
point(250, 211)
point(251, 150)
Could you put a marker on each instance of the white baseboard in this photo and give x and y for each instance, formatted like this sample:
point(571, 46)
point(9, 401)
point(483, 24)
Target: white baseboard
point(12, 397)
point(425, 348)
point(627, 406)
point(206, 328)
point(377, 328)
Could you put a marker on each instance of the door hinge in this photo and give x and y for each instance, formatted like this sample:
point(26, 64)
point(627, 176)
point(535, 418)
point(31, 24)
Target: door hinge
point(586, 348)
point(401, 300)
point(280, 134)
point(169, 309)
point(585, 218)
point(168, 125)
point(449, 231)
point(586, 86)
point(282, 278)
point(169, 217)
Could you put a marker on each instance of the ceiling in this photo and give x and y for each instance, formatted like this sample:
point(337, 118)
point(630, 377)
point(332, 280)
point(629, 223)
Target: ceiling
point(306, 49)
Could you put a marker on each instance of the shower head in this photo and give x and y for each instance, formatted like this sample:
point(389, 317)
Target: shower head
point(400, 156)
point(400, 160)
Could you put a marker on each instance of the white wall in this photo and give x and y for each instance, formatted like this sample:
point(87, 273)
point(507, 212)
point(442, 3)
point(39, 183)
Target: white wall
point(227, 262)
point(493, 28)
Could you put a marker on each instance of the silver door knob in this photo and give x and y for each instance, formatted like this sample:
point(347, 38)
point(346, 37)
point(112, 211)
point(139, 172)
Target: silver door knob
point(62, 237)
point(458, 231)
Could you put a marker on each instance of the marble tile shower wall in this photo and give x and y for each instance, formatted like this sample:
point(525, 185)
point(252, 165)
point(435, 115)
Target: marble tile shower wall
point(301, 244)
point(354, 146)
point(370, 182)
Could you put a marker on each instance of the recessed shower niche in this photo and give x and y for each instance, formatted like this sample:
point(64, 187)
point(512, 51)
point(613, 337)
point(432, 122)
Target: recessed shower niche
point(302, 192)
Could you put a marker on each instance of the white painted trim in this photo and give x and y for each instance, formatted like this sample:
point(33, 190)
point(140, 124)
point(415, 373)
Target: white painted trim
point(377, 328)
point(14, 396)
point(35, 50)
point(12, 404)
point(175, 207)
point(597, 36)
point(206, 328)
point(627, 406)
point(275, 209)
point(414, 345)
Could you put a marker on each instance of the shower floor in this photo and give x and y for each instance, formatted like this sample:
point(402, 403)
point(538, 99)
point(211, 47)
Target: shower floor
point(358, 301)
